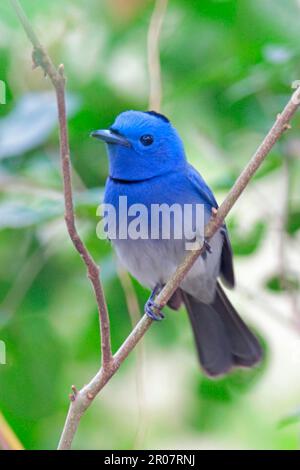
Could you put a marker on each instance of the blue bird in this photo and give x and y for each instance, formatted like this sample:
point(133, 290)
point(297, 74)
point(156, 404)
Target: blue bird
point(148, 165)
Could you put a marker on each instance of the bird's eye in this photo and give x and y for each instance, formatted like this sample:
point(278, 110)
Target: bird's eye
point(146, 139)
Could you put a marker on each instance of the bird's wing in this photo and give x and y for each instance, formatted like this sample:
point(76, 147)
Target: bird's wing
point(203, 190)
point(226, 267)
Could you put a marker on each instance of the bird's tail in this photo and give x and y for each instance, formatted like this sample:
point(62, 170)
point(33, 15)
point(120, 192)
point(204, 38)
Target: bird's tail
point(223, 340)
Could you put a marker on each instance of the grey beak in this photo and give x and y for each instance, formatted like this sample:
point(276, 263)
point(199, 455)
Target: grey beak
point(110, 137)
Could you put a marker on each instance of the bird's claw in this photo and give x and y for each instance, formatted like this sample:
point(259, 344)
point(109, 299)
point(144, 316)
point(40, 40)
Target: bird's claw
point(153, 310)
point(207, 246)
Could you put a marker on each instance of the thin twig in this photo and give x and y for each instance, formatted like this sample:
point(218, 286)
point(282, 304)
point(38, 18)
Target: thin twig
point(156, 22)
point(88, 393)
point(84, 397)
point(42, 59)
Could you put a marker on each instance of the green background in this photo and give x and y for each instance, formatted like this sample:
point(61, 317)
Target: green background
point(227, 70)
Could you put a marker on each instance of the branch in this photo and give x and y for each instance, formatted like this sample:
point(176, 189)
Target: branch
point(42, 59)
point(82, 399)
point(88, 393)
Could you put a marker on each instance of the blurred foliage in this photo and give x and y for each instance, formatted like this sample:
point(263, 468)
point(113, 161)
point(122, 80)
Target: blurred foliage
point(290, 419)
point(227, 69)
point(282, 283)
point(245, 244)
point(293, 222)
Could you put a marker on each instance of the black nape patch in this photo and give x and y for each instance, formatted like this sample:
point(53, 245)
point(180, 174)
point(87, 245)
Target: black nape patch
point(158, 115)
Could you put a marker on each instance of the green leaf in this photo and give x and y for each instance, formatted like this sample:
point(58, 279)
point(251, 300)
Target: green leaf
point(17, 214)
point(28, 210)
point(30, 122)
point(293, 222)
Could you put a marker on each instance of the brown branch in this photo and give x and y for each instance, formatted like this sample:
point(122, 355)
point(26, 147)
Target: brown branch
point(78, 407)
point(83, 398)
point(88, 393)
point(42, 59)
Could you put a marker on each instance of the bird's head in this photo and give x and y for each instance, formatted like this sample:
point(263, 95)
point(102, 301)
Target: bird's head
point(142, 145)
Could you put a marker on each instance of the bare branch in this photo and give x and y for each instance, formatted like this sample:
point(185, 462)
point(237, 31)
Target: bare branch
point(83, 398)
point(153, 39)
point(42, 59)
point(78, 407)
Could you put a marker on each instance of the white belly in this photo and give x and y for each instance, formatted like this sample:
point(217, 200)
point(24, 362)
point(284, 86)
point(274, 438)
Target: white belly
point(154, 261)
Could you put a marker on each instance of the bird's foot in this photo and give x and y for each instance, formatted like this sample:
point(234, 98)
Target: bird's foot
point(207, 246)
point(206, 249)
point(152, 309)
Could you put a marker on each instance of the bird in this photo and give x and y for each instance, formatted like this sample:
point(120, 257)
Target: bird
point(148, 166)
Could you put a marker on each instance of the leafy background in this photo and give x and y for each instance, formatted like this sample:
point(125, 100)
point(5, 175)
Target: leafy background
point(227, 69)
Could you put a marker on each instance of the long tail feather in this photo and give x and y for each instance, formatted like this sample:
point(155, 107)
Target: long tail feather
point(223, 340)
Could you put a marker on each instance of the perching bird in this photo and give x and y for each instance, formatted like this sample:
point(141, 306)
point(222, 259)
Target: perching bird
point(148, 165)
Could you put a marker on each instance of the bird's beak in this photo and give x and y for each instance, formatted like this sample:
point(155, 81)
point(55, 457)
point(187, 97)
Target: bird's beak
point(110, 137)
